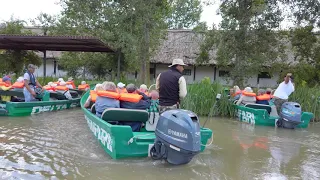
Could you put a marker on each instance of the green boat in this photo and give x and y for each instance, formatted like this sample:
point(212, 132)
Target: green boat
point(265, 115)
point(120, 141)
point(48, 101)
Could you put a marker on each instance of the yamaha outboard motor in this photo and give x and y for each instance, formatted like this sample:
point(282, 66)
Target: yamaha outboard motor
point(290, 115)
point(177, 137)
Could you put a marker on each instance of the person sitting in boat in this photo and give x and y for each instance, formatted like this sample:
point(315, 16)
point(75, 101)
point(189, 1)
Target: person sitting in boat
point(134, 99)
point(30, 84)
point(144, 89)
point(70, 83)
point(6, 86)
point(93, 96)
point(104, 102)
point(237, 92)
point(19, 84)
point(269, 92)
point(63, 87)
point(283, 91)
point(84, 86)
point(262, 97)
point(121, 88)
point(50, 87)
point(154, 101)
point(248, 96)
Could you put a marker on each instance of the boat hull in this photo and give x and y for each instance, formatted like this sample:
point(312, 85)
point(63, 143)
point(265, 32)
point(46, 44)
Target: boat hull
point(262, 118)
point(28, 108)
point(120, 142)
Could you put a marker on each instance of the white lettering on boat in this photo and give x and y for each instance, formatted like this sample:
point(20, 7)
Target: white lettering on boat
point(176, 133)
point(246, 116)
point(38, 109)
point(101, 134)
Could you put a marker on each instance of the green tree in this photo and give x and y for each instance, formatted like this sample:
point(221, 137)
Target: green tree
point(246, 41)
point(184, 13)
point(14, 61)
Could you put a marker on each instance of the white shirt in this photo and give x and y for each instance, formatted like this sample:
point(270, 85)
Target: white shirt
point(284, 90)
point(27, 77)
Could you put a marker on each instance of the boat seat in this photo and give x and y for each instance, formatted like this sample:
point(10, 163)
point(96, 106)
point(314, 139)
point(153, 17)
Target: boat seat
point(13, 92)
point(93, 108)
point(57, 95)
point(122, 114)
point(259, 106)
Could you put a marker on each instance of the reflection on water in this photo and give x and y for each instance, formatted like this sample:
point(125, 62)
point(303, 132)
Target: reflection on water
point(59, 145)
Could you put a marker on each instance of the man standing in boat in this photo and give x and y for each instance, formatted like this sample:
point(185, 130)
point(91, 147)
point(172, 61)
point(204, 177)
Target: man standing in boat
point(172, 86)
point(30, 83)
point(283, 92)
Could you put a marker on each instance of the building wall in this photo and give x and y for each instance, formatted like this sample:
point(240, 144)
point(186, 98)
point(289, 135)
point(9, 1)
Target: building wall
point(50, 70)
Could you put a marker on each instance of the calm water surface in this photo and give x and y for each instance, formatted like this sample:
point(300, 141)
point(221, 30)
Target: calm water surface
point(59, 145)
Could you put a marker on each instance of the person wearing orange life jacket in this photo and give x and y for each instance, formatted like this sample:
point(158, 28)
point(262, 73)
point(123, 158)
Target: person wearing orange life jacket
point(19, 84)
point(108, 100)
point(237, 93)
point(269, 92)
point(70, 83)
point(248, 96)
point(93, 95)
point(262, 97)
point(63, 87)
point(83, 86)
point(5, 85)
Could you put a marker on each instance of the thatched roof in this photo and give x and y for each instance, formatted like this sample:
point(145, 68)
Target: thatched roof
point(183, 44)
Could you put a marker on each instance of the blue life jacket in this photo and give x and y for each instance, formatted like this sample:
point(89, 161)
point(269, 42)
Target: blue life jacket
point(32, 79)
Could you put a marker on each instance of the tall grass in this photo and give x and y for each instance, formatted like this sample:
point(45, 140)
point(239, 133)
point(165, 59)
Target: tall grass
point(201, 99)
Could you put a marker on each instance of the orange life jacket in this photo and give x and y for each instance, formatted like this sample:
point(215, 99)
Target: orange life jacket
point(93, 95)
point(108, 94)
point(62, 88)
point(18, 85)
point(124, 90)
point(264, 97)
point(83, 87)
point(57, 83)
point(0, 79)
point(249, 94)
point(130, 97)
point(48, 88)
point(4, 84)
point(72, 83)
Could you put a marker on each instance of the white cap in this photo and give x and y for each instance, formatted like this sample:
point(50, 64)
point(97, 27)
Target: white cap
point(70, 78)
point(83, 83)
point(121, 85)
point(60, 79)
point(53, 85)
point(178, 62)
point(248, 89)
point(20, 79)
point(49, 83)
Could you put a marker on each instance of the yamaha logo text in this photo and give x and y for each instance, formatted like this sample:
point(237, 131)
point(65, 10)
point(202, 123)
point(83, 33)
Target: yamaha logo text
point(179, 134)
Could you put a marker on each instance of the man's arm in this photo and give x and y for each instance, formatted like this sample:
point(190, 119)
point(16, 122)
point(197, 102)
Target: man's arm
point(240, 100)
point(158, 82)
point(38, 84)
point(182, 87)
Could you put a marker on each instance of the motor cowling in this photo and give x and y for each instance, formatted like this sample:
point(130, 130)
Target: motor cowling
point(290, 115)
point(178, 137)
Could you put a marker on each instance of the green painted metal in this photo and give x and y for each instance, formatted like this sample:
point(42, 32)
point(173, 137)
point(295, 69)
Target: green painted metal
point(28, 108)
point(120, 142)
point(262, 117)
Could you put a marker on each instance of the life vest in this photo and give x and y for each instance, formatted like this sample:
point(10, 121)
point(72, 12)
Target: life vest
point(18, 85)
point(71, 83)
point(249, 94)
point(108, 94)
point(130, 97)
point(93, 95)
point(263, 97)
point(237, 93)
point(57, 83)
point(32, 80)
point(62, 88)
point(49, 88)
point(4, 84)
point(124, 90)
point(83, 87)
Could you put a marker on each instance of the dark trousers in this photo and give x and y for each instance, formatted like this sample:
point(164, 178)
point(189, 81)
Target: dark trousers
point(278, 103)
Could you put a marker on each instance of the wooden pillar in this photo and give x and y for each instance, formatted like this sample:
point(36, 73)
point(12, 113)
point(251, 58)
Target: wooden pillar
point(194, 73)
point(215, 73)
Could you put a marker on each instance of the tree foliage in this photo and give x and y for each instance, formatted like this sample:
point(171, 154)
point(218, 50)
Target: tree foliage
point(14, 61)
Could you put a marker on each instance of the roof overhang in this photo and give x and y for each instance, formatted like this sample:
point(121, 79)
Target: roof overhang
point(53, 43)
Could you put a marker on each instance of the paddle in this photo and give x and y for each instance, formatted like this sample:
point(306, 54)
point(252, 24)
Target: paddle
point(218, 97)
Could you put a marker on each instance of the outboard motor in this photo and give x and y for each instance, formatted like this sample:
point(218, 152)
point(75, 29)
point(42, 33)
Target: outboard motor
point(290, 115)
point(177, 137)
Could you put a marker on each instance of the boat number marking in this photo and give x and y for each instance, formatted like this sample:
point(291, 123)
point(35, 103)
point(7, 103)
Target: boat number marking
point(103, 136)
point(247, 117)
point(38, 109)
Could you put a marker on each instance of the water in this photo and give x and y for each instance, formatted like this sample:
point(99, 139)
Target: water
point(59, 145)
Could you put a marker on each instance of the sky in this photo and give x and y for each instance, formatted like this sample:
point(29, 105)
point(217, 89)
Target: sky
point(30, 9)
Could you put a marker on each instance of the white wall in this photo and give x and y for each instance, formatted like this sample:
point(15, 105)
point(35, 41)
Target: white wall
point(204, 71)
point(50, 70)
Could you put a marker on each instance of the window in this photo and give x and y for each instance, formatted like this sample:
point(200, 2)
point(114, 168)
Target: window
point(152, 71)
point(224, 73)
point(187, 72)
point(60, 67)
point(265, 75)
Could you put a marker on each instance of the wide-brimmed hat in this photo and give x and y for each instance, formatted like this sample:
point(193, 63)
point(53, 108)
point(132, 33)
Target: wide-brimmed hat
point(177, 62)
point(70, 78)
point(121, 85)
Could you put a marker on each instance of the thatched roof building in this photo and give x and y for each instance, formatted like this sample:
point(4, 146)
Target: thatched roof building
point(181, 44)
